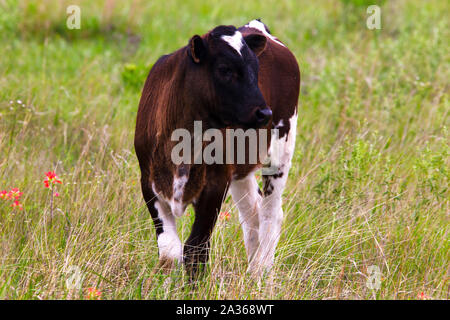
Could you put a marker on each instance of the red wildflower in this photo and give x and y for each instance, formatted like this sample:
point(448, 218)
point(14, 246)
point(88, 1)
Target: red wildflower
point(17, 204)
point(51, 178)
point(423, 296)
point(93, 294)
point(4, 195)
point(225, 215)
point(14, 194)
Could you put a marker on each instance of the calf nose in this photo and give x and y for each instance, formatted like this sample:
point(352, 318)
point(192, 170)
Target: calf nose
point(263, 116)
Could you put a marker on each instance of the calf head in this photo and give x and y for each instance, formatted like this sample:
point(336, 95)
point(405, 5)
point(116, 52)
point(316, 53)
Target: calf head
point(224, 75)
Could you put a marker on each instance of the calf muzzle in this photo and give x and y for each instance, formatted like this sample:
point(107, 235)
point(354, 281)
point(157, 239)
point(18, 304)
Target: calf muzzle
point(263, 116)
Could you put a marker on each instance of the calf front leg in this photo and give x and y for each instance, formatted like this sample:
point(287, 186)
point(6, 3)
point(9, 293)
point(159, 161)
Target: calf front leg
point(207, 208)
point(271, 212)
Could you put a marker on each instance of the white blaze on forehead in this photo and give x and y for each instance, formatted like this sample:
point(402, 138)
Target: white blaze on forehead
point(255, 24)
point(235, 41)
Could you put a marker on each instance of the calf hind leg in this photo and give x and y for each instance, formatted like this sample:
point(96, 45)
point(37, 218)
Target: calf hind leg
point(169, 245)
point(246, 196)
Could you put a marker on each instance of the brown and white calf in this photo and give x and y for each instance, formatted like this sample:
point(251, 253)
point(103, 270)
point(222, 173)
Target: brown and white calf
point(227, 78)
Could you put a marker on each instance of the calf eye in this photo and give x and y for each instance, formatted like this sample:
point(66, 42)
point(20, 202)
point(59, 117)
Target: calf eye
point(226, 72)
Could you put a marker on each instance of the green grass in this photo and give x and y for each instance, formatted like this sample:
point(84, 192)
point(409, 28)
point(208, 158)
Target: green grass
point(369, 184)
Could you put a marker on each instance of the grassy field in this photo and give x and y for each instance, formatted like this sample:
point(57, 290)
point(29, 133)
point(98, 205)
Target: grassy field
point(370, 180)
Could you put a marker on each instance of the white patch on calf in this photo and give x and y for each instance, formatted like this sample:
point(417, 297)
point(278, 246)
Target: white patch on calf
point(235, 41)
point(176, 202)
point(255, 24)
point(169, 243)
point(279, 125)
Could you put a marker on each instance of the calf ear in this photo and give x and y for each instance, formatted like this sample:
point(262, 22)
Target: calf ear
point(256, 42)
point(197, 49)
